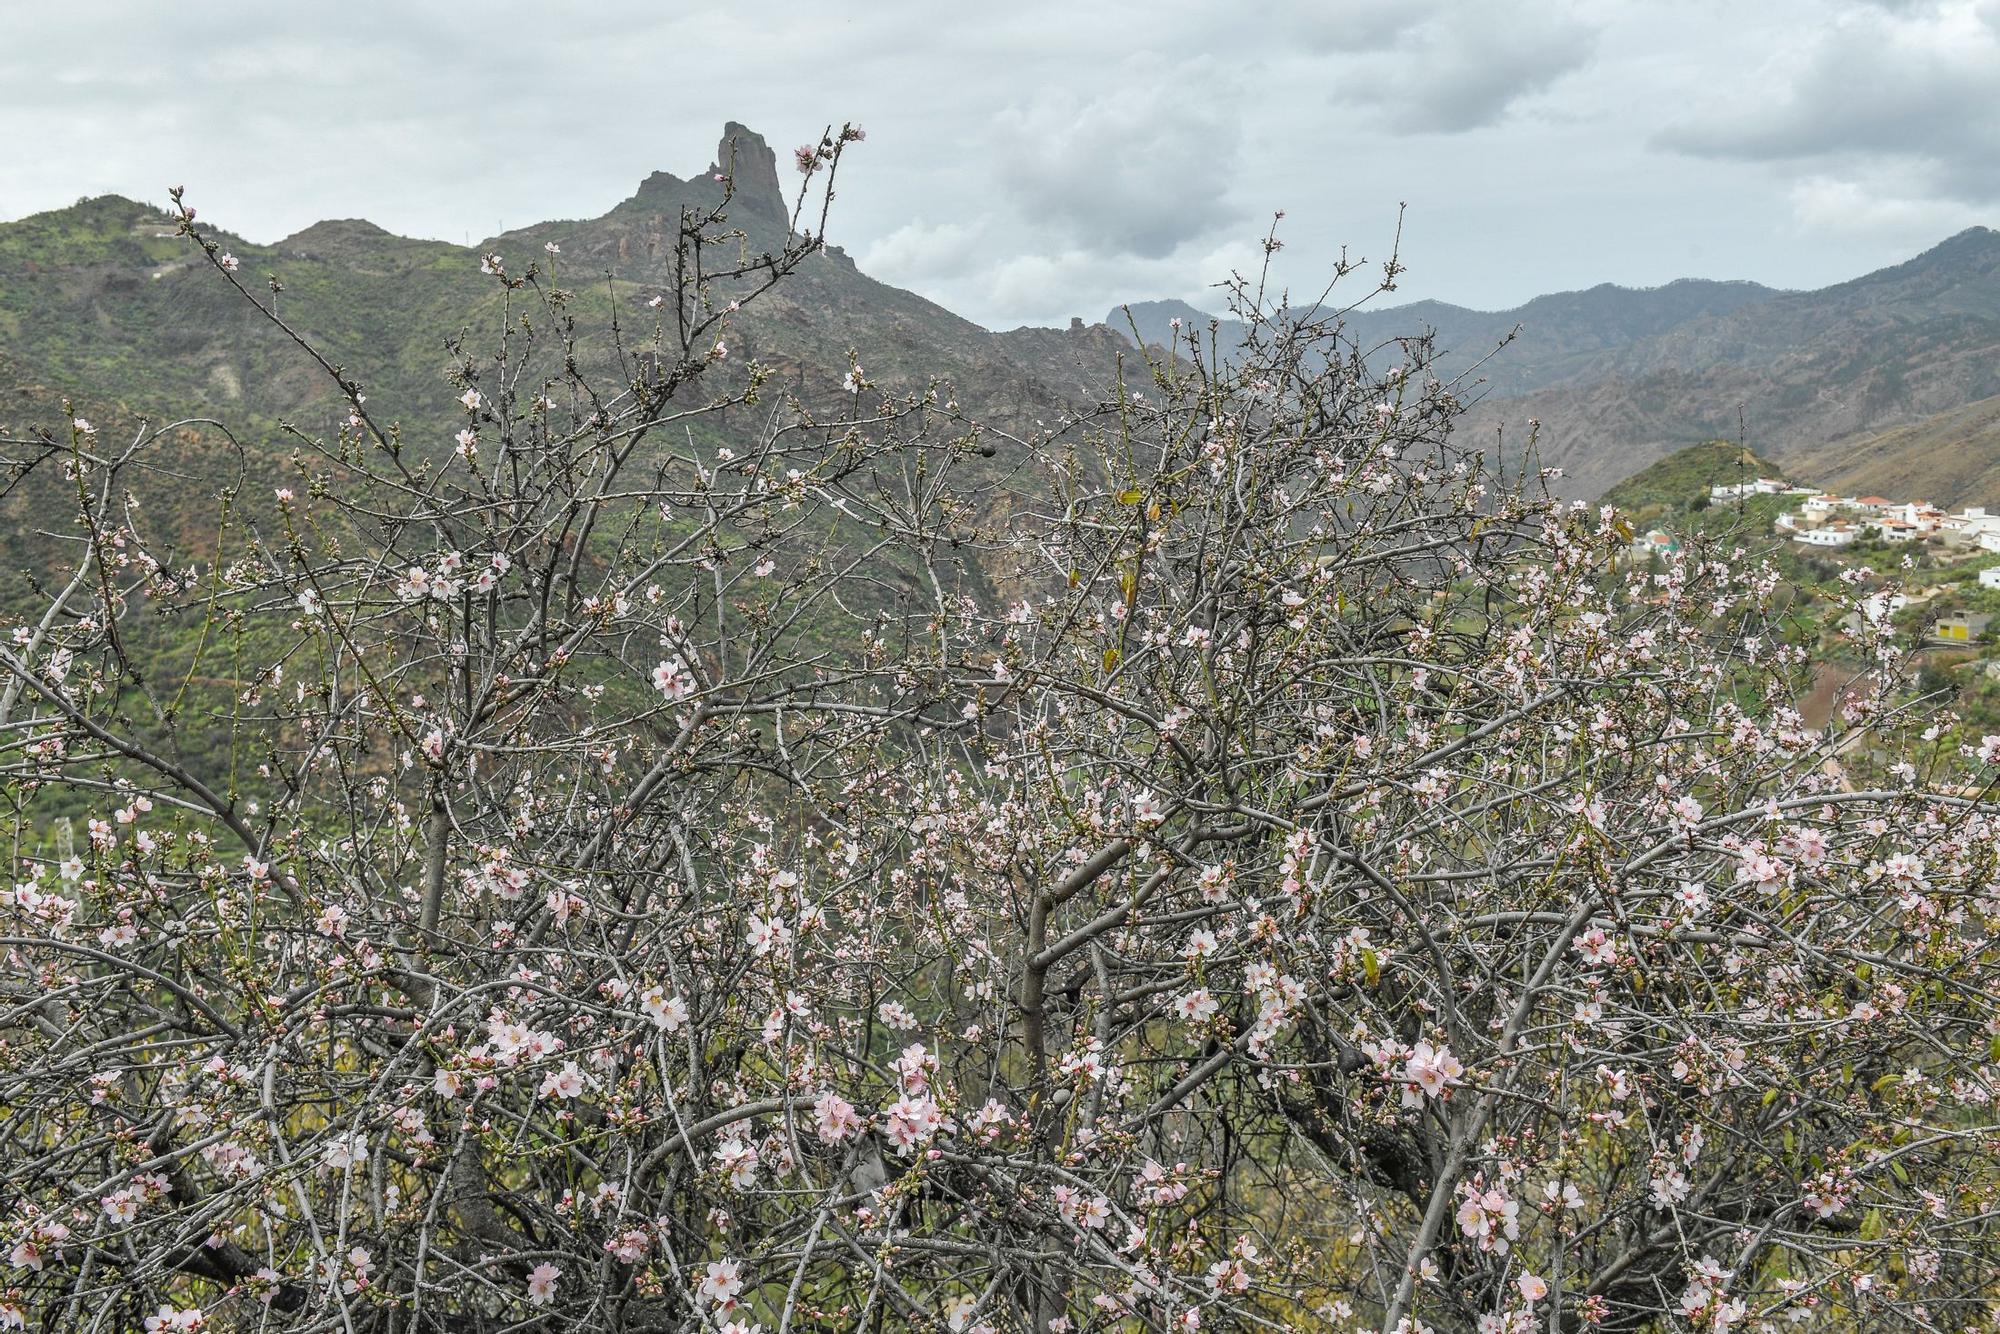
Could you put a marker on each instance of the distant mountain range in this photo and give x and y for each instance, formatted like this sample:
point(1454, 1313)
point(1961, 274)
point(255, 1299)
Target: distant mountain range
point(1618, 377)
point(102, 303)
point(1558, 332)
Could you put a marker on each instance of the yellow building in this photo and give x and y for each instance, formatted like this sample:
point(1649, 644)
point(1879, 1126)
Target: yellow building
point(1960, 627)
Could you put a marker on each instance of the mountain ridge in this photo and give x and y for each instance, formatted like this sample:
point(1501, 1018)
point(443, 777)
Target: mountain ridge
point(1152, 315)
point(1978, 243)
point(1803, 369)
point(1608, 379)
point(102, 300)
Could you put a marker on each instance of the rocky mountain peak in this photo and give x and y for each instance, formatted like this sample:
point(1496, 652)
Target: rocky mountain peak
point(744, 155)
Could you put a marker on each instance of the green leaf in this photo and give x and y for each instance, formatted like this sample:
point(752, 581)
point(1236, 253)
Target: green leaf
point(1129, 496)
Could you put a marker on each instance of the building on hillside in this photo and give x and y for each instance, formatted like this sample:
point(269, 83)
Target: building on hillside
point(1822, 517)
point(1762, 486)
point(1881, 606)
point(1970, 535)
point(1921, 517)
point(1659, 541)
point(1833, 535)
point(1961, 627)
point(1875, 609)
point(1990, 577)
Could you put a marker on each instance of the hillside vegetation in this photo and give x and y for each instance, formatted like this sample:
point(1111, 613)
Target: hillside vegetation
point(1951, 459)
point(1684, 477)
point(1612, 378)
point(1887, 349)
point(98, 301)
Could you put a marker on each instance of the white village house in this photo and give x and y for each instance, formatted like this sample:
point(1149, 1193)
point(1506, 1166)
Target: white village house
point(1763, 486)
point(1827, 520)
point(1830, 535)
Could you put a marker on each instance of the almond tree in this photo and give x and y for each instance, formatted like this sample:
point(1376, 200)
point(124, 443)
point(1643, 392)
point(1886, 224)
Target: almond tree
point(1242, 858)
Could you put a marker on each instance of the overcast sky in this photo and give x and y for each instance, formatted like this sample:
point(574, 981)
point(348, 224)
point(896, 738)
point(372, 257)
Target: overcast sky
point(1029, 161)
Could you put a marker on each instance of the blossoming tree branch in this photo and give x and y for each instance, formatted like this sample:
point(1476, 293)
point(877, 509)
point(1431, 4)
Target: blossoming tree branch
point(684, 855)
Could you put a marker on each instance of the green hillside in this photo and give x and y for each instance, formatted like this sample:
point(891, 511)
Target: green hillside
point(1682, 479)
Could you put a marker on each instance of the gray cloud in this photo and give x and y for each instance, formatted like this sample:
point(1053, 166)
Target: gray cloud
point(1355, 26)
point(1450, 70)
point(1042, 159)
point(1901, 96)
point(1142, 167)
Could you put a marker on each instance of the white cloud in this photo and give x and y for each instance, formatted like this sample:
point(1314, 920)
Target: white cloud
point(1047, 287)
point(919, 252)
point(1828, 203)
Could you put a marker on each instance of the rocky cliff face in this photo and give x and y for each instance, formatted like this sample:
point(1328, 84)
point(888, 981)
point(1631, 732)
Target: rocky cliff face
point(752, 165)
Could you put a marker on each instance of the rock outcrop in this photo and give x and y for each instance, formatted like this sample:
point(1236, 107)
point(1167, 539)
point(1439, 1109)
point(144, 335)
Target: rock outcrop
point(745, 157)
